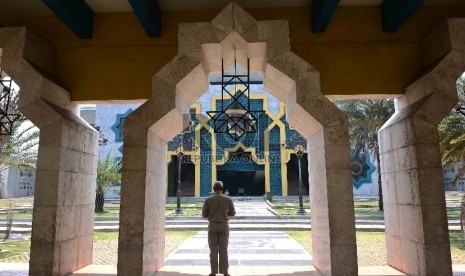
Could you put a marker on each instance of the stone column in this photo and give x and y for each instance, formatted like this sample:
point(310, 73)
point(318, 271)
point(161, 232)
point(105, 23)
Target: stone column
point(331, 197)
point(63, 217)
point(142, 215)
point(64, 203)
point(414, 202)
point(417, 234)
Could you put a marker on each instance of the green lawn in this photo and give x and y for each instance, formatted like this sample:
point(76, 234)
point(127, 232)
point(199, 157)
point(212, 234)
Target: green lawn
point(371, 246)
point(186, 212)
point(19, 249)
point(22, 201)
point(14, 248)
point(108, 213)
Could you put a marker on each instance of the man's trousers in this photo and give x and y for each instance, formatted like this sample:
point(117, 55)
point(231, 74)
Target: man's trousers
point(218, 239)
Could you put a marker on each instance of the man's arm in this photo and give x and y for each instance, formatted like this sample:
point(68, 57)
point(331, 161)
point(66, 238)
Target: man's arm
point(232, 211)
point(205, 209)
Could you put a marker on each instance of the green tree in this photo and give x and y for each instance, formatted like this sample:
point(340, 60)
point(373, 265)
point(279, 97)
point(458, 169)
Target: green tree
point(365, 118)
point(451, 135)
point(108, 175)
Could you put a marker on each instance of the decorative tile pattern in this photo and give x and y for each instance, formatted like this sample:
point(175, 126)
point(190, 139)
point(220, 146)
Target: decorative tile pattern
point(205, 162)
point(118, 126)
point(275, 162)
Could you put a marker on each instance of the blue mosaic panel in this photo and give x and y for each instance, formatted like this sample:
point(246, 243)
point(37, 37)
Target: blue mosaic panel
point(362, 168)
point(275, 162)
point(187, 139)
point(253, 140)
point(205, 162)
point(293, 138)
point(118, 126)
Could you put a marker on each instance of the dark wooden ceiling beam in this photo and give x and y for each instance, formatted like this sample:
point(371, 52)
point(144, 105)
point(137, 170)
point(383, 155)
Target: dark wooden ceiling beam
point(76, 14)
point(395, 12)
point(149, 14)
point(321, 13)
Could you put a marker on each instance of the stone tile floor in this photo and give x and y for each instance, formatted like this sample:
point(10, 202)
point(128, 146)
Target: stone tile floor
point(246, 248)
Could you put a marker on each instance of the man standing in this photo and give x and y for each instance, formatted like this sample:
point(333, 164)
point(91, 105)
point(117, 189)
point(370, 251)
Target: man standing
point(217, 209)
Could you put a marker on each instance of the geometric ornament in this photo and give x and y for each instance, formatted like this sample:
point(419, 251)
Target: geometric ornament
point(361, 168)
point(235, 118)
point(6, 119)
point(118, 126)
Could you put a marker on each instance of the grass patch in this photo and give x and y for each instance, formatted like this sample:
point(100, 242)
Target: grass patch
point(15, 248)
point(19, 215)
point(289, 211)
point(366, 204)
point(374, 213)
point(371, 246)
point(457, 247)
point(453, 213)
point(172, 205)
point(186, 212)
point(17, 202)
point(304, 238)
point(105, 236)
point(108, 213)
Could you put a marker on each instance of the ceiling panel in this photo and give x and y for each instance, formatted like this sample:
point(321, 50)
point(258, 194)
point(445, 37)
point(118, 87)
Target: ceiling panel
point(26, 8)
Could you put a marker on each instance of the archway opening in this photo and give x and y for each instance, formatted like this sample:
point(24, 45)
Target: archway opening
point(366, 116)
point(183, 81)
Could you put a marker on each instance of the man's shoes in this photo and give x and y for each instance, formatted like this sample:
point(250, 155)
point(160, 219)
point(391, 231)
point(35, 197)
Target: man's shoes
point(211, 274)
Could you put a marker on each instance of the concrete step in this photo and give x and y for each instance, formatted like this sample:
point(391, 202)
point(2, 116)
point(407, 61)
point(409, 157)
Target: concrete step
point(203, 223)
point(238, 227)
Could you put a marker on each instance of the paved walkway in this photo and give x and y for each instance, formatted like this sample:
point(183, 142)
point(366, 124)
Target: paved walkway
point(251, 248)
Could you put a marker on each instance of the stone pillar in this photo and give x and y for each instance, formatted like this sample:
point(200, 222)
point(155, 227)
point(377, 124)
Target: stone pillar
point(417, 234)
point(142, 239)
point(64, 203)
point(331, 197)
point(413, 190)
point(63, 217)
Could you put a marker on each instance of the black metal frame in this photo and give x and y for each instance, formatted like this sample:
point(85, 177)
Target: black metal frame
point(235, 126)
point(6, 119)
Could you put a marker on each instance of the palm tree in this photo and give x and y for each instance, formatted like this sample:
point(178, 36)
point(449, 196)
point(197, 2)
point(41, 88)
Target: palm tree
point(366, 117)
point(108, 175)
point(19, 149)
point(451, 134)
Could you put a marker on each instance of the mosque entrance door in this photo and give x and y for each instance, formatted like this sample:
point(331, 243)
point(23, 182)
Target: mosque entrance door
point(241, 176)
